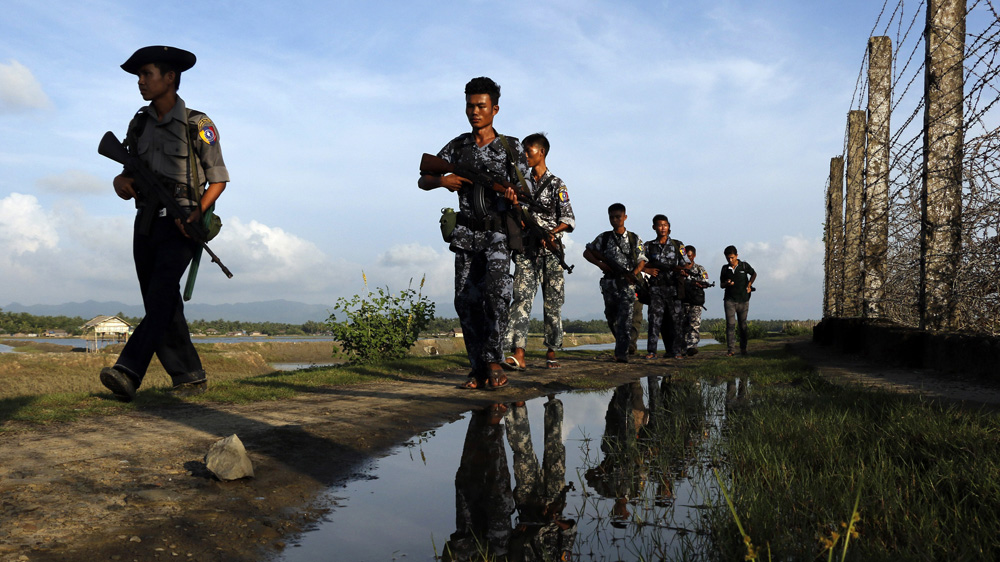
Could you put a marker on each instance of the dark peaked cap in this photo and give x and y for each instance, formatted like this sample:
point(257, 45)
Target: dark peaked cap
point(179, 58)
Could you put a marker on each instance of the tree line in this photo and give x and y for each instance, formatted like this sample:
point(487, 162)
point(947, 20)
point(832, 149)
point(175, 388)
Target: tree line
point(25, 323)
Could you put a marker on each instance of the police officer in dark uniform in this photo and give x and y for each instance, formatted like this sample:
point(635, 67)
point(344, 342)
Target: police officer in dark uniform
point(182, 147)
point(483, 284)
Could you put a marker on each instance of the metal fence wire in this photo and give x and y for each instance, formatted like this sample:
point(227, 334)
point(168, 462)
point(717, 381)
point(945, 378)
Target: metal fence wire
point(975, 290)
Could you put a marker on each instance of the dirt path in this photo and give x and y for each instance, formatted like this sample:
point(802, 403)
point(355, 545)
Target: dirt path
point(134, 487)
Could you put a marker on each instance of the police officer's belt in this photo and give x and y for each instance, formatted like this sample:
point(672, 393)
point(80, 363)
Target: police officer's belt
point(490, 222)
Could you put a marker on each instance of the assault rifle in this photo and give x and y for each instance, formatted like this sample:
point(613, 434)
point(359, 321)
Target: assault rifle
point(436, 166)
point(641, 285)
point(150, 187)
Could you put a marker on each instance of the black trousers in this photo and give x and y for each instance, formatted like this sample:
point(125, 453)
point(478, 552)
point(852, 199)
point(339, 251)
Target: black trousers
point(161, 256)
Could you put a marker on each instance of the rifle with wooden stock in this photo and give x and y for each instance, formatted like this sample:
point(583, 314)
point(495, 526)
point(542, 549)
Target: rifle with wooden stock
point(149, 187)
point(436, 166)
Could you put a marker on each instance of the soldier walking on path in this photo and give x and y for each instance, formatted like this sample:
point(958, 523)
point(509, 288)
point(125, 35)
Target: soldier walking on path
point(694, 301)
point(621, 256)
point(537, 264)
point(737, 279)
point(480, 242)
point(666, 263)
point(182, 146)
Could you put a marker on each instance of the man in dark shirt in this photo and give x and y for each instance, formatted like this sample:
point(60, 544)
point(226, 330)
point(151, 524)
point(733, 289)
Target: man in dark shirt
point(736, 279)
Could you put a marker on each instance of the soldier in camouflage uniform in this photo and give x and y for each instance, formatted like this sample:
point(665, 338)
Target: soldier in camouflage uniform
point(482, 256)
point(538, 264)
point(621, 255)
point(697, 278)
point(666, 261)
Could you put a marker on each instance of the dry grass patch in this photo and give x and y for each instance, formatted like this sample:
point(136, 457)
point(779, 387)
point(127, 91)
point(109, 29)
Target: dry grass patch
point(37, 374)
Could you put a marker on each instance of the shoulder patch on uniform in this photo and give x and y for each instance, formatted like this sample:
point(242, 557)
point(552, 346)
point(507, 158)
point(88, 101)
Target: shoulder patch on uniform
point(207, 132)
point(564, 195)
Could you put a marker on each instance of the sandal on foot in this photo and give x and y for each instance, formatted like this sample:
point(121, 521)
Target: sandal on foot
point(470, 384)
point(552, 364)
point(650, 356)
point(511, 363)
point(497, 380)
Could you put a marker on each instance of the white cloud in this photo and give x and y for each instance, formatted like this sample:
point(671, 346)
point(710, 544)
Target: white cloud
point(271, 255)
point(794, 259)
point(24, 226)
point(74, 182)
point(19, 90)
point(789, 278)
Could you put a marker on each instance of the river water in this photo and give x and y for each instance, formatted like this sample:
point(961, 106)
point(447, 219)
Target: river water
point(602, 476)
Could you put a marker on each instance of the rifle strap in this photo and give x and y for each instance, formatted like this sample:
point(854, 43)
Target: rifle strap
point(513, 163)
point(633, 242)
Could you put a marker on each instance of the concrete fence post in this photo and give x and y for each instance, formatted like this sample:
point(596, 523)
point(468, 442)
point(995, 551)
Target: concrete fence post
point(853, 218)
point(941, 195)
point(833, 294)
point(876, 196)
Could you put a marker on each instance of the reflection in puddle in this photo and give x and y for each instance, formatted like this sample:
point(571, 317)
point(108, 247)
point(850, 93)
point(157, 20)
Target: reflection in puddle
point(298, 366)
point(622, 475)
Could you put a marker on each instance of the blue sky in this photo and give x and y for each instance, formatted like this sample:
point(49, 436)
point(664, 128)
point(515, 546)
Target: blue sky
point(722, 115)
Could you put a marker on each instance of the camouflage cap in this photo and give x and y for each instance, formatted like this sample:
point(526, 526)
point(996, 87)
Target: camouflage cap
point(179, 58)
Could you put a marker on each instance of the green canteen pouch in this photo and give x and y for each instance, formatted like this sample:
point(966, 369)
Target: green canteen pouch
point(213, 224)
point(448, 220)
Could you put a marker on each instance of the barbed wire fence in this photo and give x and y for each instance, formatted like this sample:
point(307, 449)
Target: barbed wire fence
point(909, 275)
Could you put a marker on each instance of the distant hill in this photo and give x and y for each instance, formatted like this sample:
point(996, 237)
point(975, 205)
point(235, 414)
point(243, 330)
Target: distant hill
point(283, 311)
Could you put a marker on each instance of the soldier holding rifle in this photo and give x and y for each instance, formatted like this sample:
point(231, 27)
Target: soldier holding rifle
point(484, 234)
point(538, 264)
point(181, 147)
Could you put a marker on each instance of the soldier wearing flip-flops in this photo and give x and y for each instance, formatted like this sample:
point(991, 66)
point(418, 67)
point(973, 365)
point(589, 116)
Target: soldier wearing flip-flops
point(483, 283)
point(537, 265)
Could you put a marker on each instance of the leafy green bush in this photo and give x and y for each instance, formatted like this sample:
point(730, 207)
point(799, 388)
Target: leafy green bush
point(380, 325)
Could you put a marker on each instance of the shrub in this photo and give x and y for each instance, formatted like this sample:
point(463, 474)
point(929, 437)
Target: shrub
point(755, 331)
point(380, 326)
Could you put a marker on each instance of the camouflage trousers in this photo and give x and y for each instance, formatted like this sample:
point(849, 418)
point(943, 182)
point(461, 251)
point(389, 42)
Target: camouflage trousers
point(633, 343)
point(692, 325)
point(482, 300)
point(618, 298)
point(666, 314)
point(530, 272)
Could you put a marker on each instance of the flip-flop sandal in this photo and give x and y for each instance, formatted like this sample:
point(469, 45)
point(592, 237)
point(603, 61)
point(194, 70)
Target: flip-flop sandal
point(470, 384)
point(497, 380)
point(552, 364)
point(515, 366)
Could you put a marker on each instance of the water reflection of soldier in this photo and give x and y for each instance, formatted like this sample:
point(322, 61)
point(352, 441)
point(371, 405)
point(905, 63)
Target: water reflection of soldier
point(540, 493)
point(660, 394)
point(483, 499)
point(619, 476)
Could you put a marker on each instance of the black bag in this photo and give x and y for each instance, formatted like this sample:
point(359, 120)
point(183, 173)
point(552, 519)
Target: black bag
point(694, 295)
point(642, 292)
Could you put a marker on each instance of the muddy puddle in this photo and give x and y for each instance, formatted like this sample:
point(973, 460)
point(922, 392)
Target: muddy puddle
point(623, 474)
